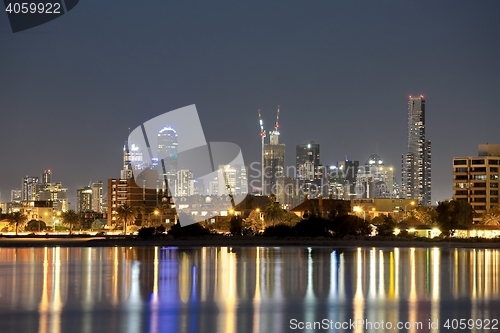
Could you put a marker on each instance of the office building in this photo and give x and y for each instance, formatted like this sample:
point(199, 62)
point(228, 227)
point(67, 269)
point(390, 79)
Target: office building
point(133, 160)
point(309, 171)
point(29, 188)
point(46, 177)
point(307, 152)
point(55, 193)
point(234, 176)
point(97, 204)
point(84, 199)
point(416, 163)
point(342, 179)
point(274, 167)
point(475, 179)
point(16, 196)
point(375, 180)
point(241, 180)
point(184, 183)
point(167, 155)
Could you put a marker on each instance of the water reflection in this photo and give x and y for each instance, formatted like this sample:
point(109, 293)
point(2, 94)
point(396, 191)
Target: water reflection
point(241, 289)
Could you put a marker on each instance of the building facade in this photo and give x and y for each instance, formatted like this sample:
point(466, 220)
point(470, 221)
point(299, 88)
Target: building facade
point(375, 180)
point(168, 154)
point(84, 199)
point(29, 188)
point(342, 179)
point(146, 197)
point(97, 203)
point(274, 168)
point(475, 179)
point(184, 183)
point(416, 163)
point(309, 171)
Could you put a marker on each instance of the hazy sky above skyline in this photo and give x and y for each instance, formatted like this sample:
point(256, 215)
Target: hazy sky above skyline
point(341, 71)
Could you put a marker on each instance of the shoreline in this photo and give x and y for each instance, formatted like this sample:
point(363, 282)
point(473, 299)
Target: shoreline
point(37, 242)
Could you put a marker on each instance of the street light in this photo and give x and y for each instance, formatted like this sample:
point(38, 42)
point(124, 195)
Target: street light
point(411, 203)
point(359, 209)
point(156, 213)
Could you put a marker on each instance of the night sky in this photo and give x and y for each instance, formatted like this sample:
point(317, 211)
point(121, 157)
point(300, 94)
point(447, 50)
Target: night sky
point(341, 71)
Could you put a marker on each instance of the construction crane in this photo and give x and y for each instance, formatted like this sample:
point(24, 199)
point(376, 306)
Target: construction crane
point(235, 219)
point(276, 124)
point(228, 189)
point(167, 197)
point(262, 135)
point(274, 135)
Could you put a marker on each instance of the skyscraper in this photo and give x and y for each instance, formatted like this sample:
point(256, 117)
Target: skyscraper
point(307, 152)
point(167, 151)
point(46, 177)
point(29, 188)
point(84, 199)
point(16, 196)
point(132, 160)
point(97, 197)
point(274, 168)
point(184, 183)
point(309, 170)
point(416, 163)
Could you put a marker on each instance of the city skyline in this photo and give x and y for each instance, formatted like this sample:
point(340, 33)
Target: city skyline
point(341, 76)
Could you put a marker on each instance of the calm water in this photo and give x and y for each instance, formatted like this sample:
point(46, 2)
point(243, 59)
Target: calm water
point(247, 289)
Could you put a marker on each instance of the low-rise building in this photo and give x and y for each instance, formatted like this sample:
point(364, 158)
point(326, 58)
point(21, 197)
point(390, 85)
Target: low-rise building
point(371, 208)
point(475, 179)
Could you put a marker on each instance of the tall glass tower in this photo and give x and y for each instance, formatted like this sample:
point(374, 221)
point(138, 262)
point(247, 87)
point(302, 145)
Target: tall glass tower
point(168, 158)
point(416, 163)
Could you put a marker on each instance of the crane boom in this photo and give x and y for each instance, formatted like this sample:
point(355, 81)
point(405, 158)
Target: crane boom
point(276, 124)
point(262, 132)
point(228, 188)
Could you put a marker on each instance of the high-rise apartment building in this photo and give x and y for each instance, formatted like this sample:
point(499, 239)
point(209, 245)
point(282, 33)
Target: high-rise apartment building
point(309, 171)
point(307, 152)
point(475, 179)
point(97, 205)
point(29, 188)
point(416, 163)
point(274, 167)
point(168, 158)
point(16, 196)
point(234, 176)
point(184, 183)
point(46, 177)
point(375, 180)
point(84, 199)
point(132, 160)
point(342, 179)
point(241, 180)
point(55, 193)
